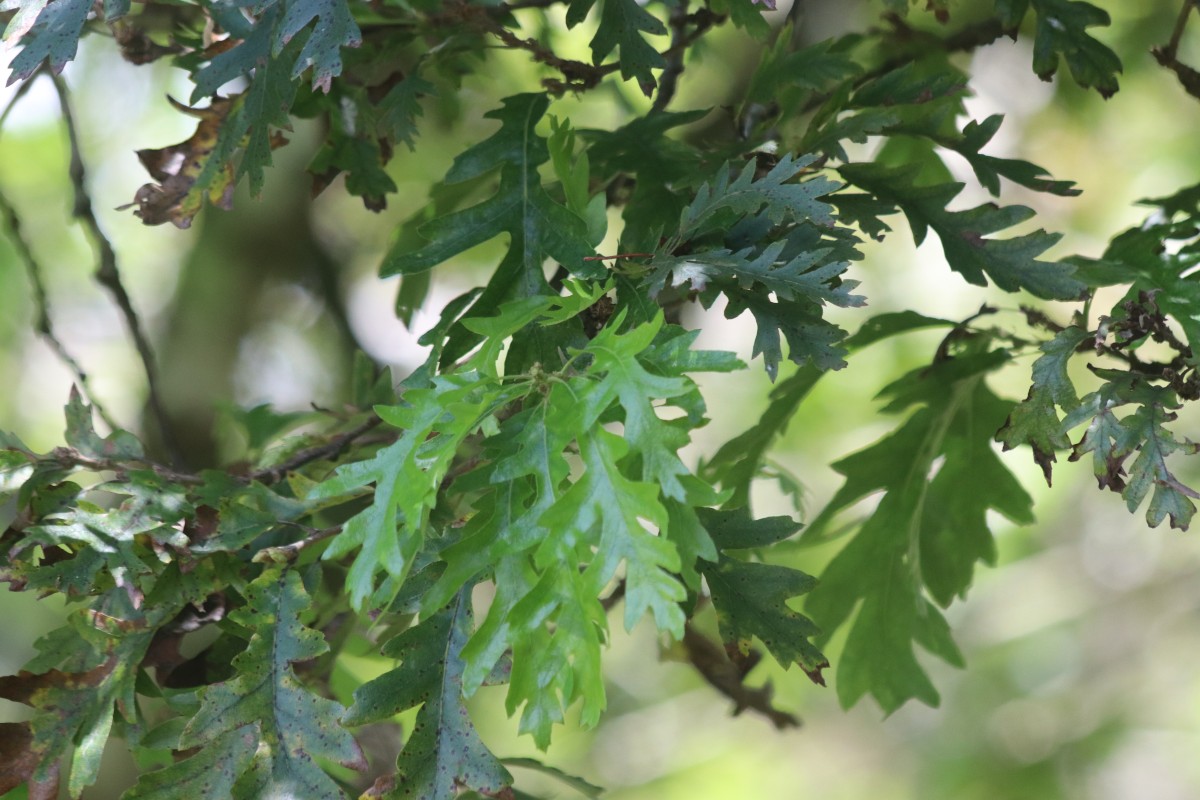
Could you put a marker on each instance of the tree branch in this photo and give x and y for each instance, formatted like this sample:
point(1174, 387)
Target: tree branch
point(1188, 77)
point(289, 552)
point(1181, 21)
point(713, 664)
point(70, 457)
point(579, 75)
point(668, 82)
point(109, 276)
point(43, 323)
point(330, 449)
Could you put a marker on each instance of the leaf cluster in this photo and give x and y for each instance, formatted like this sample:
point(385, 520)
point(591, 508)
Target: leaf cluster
point(474, 522)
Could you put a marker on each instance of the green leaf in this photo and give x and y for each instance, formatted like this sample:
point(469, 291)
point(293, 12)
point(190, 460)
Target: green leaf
point(96, 659)
point(54, 37)
point(751, 601)
point(537, 226)
point(333, 29)
point(1011, 263)
point(208, 775)
point(737, 530)
point(737, 463)
point(399, 109)
point(407, 475)
point(665, 168)
point(771, 195)
point(784, 280)
point(607, 502)
point(243, 514)
point(362, 160)
point(927, 532)
point(1034, 421)
point(1112, 439)
point(622, 23)
point(296, 726)
point(444, 753)
point(622, 378)
point(809, 336)
point(80, 434)
point(747, 14)
point(1062, 31)
point(788, 76)
point(531, 520)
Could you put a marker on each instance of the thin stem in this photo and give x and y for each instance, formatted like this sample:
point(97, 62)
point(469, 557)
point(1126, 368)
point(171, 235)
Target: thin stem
point(330, 449)
point(70, 457)
point(21, 92)
point(109, 276)
point(43, 323)
point(727, 677)
point(289, 552)
point(1177, 34)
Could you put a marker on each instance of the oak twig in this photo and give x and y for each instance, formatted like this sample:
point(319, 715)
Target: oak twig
point(109, 276)
point(289, 552)
point(329, 449)
point(714, 665)
point(70, 457)
point(44, 324)
point(668, 81)
point(1188, 77)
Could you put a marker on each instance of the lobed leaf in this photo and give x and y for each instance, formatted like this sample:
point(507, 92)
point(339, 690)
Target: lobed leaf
point(927, 532)
point(295, 726)
point(1012, 264)
point(444, 754)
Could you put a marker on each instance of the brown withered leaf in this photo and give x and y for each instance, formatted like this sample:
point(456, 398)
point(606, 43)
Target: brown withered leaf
point(18, 760)
point(185, 177)
point(21, 753)
point(177, 167)
point(36, 689)
point(136, 45)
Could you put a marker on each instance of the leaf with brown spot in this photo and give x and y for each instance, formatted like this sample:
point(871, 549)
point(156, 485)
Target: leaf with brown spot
point(444, 752)
point(207, 775)
point(296, 726)
point(18, 758)
point(77, 711)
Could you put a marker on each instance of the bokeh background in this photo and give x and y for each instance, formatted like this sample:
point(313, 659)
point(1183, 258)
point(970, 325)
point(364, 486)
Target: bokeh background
point(1083, 646)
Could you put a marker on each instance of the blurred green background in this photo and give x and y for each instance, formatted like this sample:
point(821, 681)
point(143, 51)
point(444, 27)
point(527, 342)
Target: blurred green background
point(1082, 646)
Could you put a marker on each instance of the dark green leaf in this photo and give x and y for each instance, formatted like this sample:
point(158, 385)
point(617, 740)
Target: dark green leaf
point(208, 775)
point(333, 29)
point(296, 726)
point(444, 753)
point(538, 227)
point(1062, 31)
point(622, 23)
point(1034, 421)
point(1011, 263)
point(53, 38)
point(734, 530)
point(751, 601)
